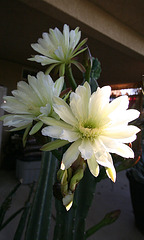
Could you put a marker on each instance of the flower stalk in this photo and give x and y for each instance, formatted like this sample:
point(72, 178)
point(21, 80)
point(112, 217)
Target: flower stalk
point(70, 77)
point(108, 219)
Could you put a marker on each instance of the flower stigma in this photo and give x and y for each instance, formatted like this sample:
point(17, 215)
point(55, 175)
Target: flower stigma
point(89, 131)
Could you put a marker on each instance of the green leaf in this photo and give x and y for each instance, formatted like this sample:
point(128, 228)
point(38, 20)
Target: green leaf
point(95, 74)
point(54, 145)
point(26, 133)
point(96, 69)
point(59, 83)
point(36, 128)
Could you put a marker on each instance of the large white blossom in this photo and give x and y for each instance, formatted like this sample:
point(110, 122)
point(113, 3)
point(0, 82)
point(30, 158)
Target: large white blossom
point(31, 100)
point(95, 126)
point(57, 48)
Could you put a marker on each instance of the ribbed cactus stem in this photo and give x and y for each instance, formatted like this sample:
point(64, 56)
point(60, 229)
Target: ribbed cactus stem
point(39, 221)
point(65, 221)
point(83, 197)
point(71, 224)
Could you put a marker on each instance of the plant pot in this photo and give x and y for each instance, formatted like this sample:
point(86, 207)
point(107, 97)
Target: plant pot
point(137, 198)
point(28, 169)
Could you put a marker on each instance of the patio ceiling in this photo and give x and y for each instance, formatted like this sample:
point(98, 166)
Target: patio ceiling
point(22, 24)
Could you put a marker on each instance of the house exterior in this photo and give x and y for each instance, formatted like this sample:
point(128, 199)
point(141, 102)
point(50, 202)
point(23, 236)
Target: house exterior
point(114, 29)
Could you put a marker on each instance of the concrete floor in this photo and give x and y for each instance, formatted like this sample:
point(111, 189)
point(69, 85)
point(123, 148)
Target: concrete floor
point(108, 197)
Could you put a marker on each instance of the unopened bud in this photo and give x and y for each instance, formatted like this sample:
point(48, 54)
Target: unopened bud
point(60, 175)
point(78, 175)
point(68, 200)
point(70, 172)
point(111, 217)
point(64, 183)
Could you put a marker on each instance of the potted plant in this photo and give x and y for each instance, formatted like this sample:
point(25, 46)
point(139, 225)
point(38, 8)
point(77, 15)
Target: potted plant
point(136, 181)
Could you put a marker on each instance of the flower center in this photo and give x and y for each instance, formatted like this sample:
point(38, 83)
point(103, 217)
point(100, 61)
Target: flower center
point(34, 110)
point(89, 131)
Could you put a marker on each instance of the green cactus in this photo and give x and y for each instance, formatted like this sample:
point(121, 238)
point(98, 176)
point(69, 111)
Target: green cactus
point(71, 225)
point(39, 220)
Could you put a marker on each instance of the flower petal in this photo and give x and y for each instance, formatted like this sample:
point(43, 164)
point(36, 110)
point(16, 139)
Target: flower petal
point(117, 147)
point(52, 131)
point(111, 173)
point(68, 201)
point(59, 132)
point(12, 105)
point(57, 47)
point(54, 122)
point(123, 117)
point(93, 166)
point(66, 36)
point(98, 103)
point(43, 60)
point(64, 111)
point(124, 151)
point(59, 53)
point(120, 132)
point(69, 135)
point(58, 86)
point(36, 128)
point(86, 149)
point(119, 104)
point(17, 120)
point(103, 159)
point(101, 154)
point(75, 36)
point(70, 155)
point(79, 102)
point(46, 110)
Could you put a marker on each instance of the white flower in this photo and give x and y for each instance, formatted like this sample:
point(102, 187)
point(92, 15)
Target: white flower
point(58, 48)
point(95, 128)
point(31, 100)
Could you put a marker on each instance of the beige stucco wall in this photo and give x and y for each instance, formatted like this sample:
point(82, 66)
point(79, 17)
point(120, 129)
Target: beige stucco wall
point(96, 22)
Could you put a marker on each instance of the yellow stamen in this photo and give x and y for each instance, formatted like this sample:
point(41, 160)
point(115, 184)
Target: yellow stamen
point(88, 132)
